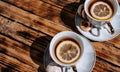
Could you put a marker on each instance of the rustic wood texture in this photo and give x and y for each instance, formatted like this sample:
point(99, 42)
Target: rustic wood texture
point(27, 26)
point(30, 20)
point(58, 15)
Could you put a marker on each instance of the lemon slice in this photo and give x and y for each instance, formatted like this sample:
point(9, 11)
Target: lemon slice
point(68, 51)
point(101, 10)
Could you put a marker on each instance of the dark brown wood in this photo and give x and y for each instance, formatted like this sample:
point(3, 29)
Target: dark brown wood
point(27, 26)
point(30, 20)
point(15, 64)
point(4, 68)
point(16, 50)
point(61, 3)
point(115, 42)
point(48, 11)
point(39, 8)
point(107, 52)
point(103, 66)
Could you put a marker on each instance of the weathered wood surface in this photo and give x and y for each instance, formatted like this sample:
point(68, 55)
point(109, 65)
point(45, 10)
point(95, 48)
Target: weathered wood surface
point(27, 26)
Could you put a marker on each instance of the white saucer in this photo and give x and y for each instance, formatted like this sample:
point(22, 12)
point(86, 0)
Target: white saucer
point(104, 34)
point(87, 61)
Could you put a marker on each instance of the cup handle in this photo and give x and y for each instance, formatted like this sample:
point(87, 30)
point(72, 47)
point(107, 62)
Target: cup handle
point(98, 32)
point(74, 68)
point(111, 28)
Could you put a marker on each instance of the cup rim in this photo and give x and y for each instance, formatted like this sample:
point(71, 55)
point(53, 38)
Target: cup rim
point(87, 13)
point(63, 35)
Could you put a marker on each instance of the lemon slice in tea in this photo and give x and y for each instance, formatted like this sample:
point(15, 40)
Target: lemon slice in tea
point(68, 51)
point(101, 10)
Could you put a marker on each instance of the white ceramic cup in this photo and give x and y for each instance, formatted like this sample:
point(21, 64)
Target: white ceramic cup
point(98, 23)
point(60, 36)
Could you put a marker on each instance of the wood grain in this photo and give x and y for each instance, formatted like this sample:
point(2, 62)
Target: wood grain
point(68, 5)
point(27, 26)
point(61, 3)
point(4, 68)
point(12, 32)
point(16, 50)
point(25, 54)
point(42, 9)
point(15, 64)
point(54, 10)
point(10, 29)
point(107, 52)
point(103, 66)
point(17, 31)
point(21, 33)
point(39, 8)
point(30, 20)
point(115, 42)
point(26, 36)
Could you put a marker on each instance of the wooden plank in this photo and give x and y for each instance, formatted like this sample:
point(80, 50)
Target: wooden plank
point(4, 68)
point(107, 52)
point(30, 20)
point(115, 42)
point(36, 41)
point(5, 41)
point(22, 33)
point(99, 64)
point(16, 50)
point(32, 56)
point(68, 5)
point(18, 31)
point(7, 15)
point(96, 63)
point(20, 3)
point(42, 9)
point(12, 32)
point(61, 3)
point(15, 64)
point(102, 66)
point(39, 8)
point(47, 11)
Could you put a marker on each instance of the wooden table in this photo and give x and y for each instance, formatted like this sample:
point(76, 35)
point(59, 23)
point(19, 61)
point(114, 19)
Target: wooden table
point(27, 26)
